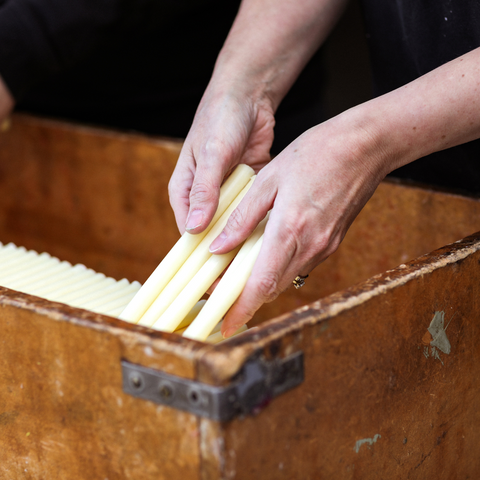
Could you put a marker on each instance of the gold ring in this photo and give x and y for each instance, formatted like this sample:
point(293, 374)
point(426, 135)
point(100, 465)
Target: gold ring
point(299, 281)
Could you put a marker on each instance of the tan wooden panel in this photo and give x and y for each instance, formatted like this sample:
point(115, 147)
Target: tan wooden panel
point(63, 413)
point(87, 195)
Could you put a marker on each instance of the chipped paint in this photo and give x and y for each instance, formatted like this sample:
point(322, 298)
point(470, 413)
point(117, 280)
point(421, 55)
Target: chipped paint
point(438, 332)
point(368, 441)
point(435, 339)
point(149, 351)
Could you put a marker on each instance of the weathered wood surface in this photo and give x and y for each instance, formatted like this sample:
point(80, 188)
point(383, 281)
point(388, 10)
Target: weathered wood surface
point(63, 413)
point(378, 400)
point(87, 195)
point(382, 398)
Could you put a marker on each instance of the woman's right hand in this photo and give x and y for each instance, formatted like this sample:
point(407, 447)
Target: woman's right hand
point(228, 129)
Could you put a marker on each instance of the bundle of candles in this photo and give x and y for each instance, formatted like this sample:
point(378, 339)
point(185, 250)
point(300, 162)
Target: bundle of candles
point(189, 269)
point(171, 298)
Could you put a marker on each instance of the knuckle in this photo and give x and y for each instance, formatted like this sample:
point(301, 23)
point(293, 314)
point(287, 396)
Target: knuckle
point(201, 192)
point(292, 234)
point(332, 247)
point(323, 242)
point(268, 286)
point(172, 188)
point(176, 196)
point(266, 181)
point(291, 238)
point(326, 244)
point(236, 221)
point(216, 148)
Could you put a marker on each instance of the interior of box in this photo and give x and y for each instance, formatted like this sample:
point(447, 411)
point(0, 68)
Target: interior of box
point(100, 198)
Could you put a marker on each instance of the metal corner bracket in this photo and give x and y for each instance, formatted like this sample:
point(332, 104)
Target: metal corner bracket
point(258, 382)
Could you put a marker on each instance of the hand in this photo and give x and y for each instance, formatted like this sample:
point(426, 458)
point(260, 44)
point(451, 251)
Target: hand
point(315, 188)
point(227, 130)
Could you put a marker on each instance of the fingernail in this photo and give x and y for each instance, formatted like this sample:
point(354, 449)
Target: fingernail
point(194, 220)
point(231, 330)
point(218, 242)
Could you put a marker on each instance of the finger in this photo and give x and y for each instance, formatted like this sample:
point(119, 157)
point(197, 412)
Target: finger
point(213, 162)
point(292, 246)
point(249, 213)
point(267, 279)
point(179, 188)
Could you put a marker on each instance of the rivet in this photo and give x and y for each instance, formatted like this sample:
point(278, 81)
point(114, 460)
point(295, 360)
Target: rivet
point(166, 391)
point(194, 397)
point(136, 381)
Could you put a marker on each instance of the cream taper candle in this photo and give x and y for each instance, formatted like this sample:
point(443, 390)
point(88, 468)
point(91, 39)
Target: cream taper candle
point(191, 315)
point(228, 289)
point(193, 291)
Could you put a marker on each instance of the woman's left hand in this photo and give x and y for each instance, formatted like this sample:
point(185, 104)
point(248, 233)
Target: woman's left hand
point(315, 189)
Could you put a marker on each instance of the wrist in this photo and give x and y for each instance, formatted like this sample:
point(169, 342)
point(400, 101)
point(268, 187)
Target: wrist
point(434, 112)
point(235, 77)
point(361, 142)
point(386, 134)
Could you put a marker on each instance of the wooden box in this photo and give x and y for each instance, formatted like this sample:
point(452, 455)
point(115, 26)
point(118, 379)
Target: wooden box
point(385, 336)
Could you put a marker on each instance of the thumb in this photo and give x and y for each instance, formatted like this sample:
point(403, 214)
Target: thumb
point(205, 190)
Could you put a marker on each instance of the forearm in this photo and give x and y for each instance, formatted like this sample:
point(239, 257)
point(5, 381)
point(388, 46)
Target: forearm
point(270, 42)
point(437, 111)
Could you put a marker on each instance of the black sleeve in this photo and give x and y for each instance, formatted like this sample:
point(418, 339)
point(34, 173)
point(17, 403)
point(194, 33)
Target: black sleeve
point(39, 38)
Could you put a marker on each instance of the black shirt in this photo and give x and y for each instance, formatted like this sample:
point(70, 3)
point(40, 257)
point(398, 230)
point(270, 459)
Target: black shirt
point(134, 64)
